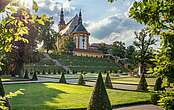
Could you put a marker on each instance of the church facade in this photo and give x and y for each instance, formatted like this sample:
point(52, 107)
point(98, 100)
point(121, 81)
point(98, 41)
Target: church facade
point(76, 30)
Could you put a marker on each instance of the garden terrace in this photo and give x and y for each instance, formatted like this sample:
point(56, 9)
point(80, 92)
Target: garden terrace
point(51, 96)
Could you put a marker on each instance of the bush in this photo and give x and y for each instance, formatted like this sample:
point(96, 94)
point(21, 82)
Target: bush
point(54, 72)
point(108, 82)
point(34, 76)
point(81, 80)
point(158, 84)
point(62, 79)
point(155, 97)
point(49, 72)
point(43, 72)
point(167, 100)
point(99, 99)
point(142, 86)
point(26, 76)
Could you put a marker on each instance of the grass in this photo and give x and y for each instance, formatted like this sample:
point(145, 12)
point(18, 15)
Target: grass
point(133, 80)
point(6, 78)
point(51, 96)
point(80, 63)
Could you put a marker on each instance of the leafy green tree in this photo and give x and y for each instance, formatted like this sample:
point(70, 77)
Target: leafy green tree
point(143, 42)
point(118, 49)
point(62, 79)
point(99, 99)
point(158, 16)
point(142, 86)
point(48, 35)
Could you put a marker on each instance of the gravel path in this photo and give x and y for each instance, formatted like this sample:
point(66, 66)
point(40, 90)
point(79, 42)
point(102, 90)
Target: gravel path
point(140, 107)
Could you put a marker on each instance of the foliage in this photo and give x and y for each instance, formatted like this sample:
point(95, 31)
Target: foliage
point(158, 84)
point(103, 47)
point(158, 16)
point(143, 43)
point(34, 76)
point(99, 99)
point(118, 49)
point(108, 82)
point(167, 100)
point(155, 97)
point(26, 74)
point(81, 80)
point(142, 86)
point(48, 35)
point(62, 79)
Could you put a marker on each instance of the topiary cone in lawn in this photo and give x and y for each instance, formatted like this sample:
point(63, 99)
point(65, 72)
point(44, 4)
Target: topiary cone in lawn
point(26, 76)
point(99, 99)
point(142, 86)
point(108, 82)
point(62, 79)
point(2, 94)
point(158, 84)
point(81, 80)
point(34, 76)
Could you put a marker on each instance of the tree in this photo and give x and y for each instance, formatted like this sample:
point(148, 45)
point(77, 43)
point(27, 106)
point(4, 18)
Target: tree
point(158, 84)
point(81, 80)
point(158, 16)
point(34, 76)
point(99, 99)
point(108, 82)
point(118, 49)
point(103, 47)
point(62, 79)
point(48, 35)
point(143, 43)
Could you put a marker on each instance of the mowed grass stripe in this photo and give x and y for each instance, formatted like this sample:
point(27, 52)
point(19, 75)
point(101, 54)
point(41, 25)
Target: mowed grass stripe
point(52, 96)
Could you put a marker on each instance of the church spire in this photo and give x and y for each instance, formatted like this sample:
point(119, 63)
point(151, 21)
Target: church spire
point(62, 21)
point(80, 18)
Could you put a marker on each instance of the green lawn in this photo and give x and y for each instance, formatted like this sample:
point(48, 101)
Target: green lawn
point(133, 80)
point(51, 96)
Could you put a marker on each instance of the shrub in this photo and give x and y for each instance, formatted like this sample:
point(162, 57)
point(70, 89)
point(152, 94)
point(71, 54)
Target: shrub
point(167, 100)
point(158, 84)
point(54, 72)
point(142, 86)
point(99, 99)
point(38, 72)
point(62, 79)
point(155, 97)
point(43, 72)
point(81, 80)
point(34, 76)
point(67, 72)
point(49, 72)
point(26, 75)
point(59, 72)
point(108, 82)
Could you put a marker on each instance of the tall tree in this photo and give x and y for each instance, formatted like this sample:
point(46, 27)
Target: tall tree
point(143, 42)
point(118, 49)
point(48, 35)
point(158, 16)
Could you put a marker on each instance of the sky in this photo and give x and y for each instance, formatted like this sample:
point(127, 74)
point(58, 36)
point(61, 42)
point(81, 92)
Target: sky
point(107, 22)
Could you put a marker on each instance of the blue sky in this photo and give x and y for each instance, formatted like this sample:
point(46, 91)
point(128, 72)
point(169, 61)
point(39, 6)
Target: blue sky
point(105, 21)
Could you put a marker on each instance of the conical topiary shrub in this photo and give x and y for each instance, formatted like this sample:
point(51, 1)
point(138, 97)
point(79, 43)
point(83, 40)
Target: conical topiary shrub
point(81, 80)
point(34, 76)
point(108, 82)
point(26, 76)
point(99, 99)
point(49, 72)
point(158, 84)
point(142, 86)
point(2, 94)
point(43, 72)
point(62, 79)
point(54, 72)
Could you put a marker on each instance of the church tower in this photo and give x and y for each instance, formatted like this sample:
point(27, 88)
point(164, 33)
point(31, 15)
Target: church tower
point(81, 35)
point(62, 24)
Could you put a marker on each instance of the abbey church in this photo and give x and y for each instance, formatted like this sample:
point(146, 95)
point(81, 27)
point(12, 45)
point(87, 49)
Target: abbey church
point(76, 30)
